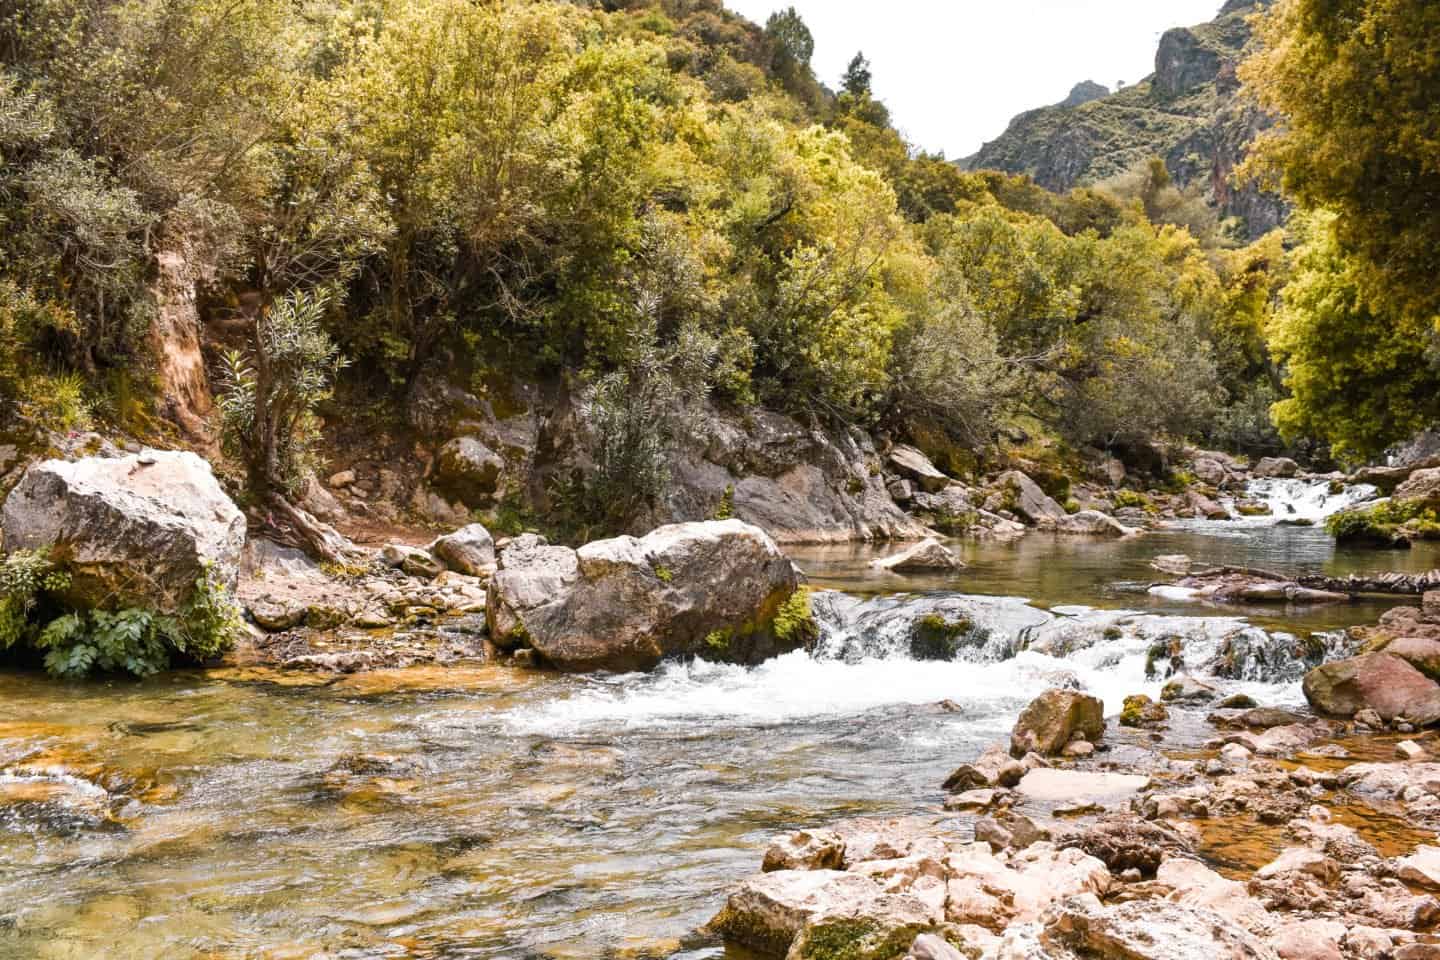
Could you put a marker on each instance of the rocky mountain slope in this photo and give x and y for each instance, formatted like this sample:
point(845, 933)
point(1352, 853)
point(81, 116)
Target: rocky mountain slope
point(1189, 111)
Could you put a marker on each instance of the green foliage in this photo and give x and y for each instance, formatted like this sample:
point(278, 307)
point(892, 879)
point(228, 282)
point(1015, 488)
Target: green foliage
point(1356, 82)
point(1391, 523)
point(794, 624)
point(1360, 376)
point(639, 412)
point(725, 509)
point(79, 641)
point(271, 392)
point(936, 637)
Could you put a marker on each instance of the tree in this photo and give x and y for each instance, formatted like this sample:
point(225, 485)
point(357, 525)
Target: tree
point(791, 41)
point(856, 81)
point(1357, 378)
point(271, 392)
point(1357, 83)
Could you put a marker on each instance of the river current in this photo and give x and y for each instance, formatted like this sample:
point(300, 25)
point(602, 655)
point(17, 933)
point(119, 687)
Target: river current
point(491, 813)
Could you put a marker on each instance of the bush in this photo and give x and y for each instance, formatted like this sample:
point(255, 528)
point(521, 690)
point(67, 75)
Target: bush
point(77, 642)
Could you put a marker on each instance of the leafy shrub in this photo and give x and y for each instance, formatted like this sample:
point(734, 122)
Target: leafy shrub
point(1390, 523)
point(77, 642)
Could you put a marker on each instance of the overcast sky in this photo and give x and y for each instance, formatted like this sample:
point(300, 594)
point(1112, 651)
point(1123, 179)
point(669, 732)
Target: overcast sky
point(954, 72)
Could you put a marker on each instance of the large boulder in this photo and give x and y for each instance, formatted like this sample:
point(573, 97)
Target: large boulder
point(1029, 501)
point(1050, 721)
point(1421, 486)
point(469, 550)
point(1273, 467)
point(912, 463)
point(1376, 681)
point(470, 469)
point(716, 589)
point(134, 531)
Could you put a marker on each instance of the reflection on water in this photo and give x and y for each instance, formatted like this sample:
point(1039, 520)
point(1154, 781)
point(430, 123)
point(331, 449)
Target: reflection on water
point(1052, 570)
point(483, 812)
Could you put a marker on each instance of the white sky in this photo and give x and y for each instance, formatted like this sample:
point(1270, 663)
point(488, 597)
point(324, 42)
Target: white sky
point(953, 72)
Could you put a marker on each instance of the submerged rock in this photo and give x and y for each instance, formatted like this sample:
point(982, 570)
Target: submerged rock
point(715, 589)
point(133, 531)
point(1051, 720)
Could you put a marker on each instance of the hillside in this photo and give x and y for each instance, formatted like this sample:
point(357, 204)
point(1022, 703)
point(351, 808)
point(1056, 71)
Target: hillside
point(1189, 111)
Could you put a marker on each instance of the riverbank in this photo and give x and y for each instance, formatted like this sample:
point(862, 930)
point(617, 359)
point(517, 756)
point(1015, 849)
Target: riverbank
point(1202, 826)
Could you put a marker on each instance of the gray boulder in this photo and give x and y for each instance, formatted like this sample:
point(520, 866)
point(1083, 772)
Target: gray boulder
point(469, 468)
point(1030, 502)
point(712, 589)
point(134, 531)
point(1090, 523)
point(926, 556)
point(469, 550)
point(912, 463)
point(1272, 467)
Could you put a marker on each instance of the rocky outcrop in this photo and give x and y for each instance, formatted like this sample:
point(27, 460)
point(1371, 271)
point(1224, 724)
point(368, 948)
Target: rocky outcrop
point(134, 531)
point(1052, 719)
point(470, 469)
point(799, 483)
point(717, 589)
point(1421, 487)
point(1187, 112)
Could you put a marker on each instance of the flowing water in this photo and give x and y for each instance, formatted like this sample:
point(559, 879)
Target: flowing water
point(484, 812)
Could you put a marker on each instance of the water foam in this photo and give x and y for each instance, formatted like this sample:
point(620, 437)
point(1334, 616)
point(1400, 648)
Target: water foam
point(1082, 650)
point(1313, 500)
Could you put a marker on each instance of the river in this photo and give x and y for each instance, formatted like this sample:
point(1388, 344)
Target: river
point(483, 812)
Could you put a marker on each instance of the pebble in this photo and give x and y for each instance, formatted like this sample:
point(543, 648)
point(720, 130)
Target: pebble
point(1409, 750)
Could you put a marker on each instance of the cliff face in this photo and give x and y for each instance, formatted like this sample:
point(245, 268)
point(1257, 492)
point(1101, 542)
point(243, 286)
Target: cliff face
point(1189, 111)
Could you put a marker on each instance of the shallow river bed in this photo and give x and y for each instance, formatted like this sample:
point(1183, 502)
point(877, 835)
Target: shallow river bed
point(485, 812)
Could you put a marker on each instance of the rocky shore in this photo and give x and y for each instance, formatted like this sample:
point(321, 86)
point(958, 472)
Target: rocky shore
point(1196, 827)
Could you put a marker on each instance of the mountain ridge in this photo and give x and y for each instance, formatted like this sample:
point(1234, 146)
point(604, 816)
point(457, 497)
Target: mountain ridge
point(1190, 111)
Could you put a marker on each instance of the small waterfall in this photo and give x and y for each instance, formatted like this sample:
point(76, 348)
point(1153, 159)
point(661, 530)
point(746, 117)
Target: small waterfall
point(999, 629)
point(1313, 500)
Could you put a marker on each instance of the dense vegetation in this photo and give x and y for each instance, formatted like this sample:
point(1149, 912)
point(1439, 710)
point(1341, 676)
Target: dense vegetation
point(658, 199)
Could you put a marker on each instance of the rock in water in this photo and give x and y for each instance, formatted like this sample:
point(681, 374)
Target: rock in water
point(1376, 681)
point(929, 554)
point(134, 531)
point(714, 589)
point(1051, 719)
